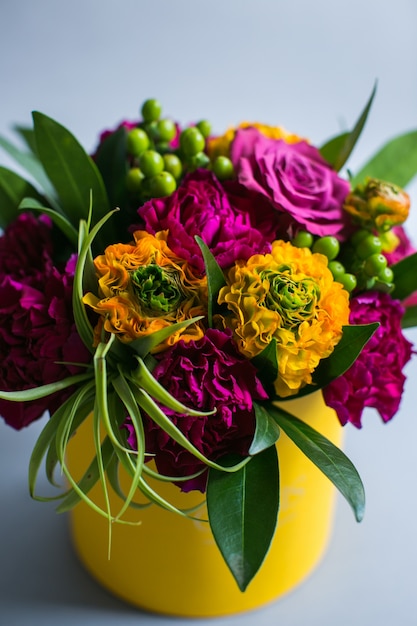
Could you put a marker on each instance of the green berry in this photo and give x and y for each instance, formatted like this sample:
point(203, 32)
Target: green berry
point(371, 244)
point(134, 179)
point(151, 110)
point(359, 235)
point(137, 141)
point(386, 275)
point(223, 168)
point(151, 163)
point(303, 239)
point(173, 165)
point(204, 127)
point(348, 281)
point(192, 141)
point(336, 269)
point(163, 184)
point(198, 160)
point(329, 246)
point(166, 130)
point(375, 264)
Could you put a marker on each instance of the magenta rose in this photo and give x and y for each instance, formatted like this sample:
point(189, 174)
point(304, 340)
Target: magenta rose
point(204, 375)
point(37, 329)
point(376, 378)
point(295, 179)
point(200, 206)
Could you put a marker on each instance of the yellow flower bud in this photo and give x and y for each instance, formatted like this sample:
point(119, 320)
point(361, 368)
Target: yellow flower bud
point(378, 205)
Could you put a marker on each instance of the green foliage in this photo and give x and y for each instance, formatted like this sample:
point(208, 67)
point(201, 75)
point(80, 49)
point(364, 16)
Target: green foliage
point(215, 278)
point(13, 188)
point(405, 277)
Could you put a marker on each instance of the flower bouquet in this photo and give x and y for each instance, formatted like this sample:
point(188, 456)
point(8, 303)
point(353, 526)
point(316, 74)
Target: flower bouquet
point(176, 289)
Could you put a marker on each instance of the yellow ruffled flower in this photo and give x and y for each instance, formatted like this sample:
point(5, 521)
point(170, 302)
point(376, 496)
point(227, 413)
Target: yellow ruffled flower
point(378, 205)
point(220, 146)
point(288, 295)
point(144, 287)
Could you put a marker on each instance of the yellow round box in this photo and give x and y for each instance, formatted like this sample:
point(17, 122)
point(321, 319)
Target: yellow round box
point(169, 564)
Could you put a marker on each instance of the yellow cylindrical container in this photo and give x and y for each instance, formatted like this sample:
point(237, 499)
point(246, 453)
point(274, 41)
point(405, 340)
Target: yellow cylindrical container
point(169, 564)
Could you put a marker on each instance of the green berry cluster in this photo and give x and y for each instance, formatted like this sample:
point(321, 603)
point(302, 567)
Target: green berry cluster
point(359, 266)
point(156, 167)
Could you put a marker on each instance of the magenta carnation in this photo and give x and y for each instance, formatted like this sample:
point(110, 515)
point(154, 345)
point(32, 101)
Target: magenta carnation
point(204, 375)
point(376, 378)
point(295, 178)
point(37, 329)
point(200, 206)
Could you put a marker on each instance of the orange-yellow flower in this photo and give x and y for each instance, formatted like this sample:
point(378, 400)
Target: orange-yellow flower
point(288, 295)
point(378, 205)
point(220, 146)
point(144, 287)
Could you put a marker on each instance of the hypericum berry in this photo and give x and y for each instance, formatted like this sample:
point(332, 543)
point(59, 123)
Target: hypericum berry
point(192, 141)
point(173, 165)
point(348, 281)
point(134, 179)
point(151, 163)
point(151, 110)
point(329, 246)
point(303, 239)
point(375, 264)
point(204, 127)
point(223, 168)
point(359, 235)
point(198, 160)
point(163, 184)
point(137, 141)
point(386, 275)
point(336, 269)
point(166, 130)
point(368, 245)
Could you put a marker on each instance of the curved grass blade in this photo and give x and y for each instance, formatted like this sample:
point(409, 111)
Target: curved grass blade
point(326, 456)
point(215, 278)
point(13, 188)
point(31, 204)
point(144, 345)
point(44, 390)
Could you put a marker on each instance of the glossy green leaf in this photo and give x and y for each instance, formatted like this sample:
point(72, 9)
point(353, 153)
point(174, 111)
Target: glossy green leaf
point(405, 277)
point(337, 150)
point(243, 511)
point(266, 431)
point(266, 362)
point(215, 278)
point(111, 160)
point(28, 135)
point(395, 162)
point(71, 170)
point(326, 456)
point(409, 319)
point(13, 188)
point(343, 356)
point(31, 204)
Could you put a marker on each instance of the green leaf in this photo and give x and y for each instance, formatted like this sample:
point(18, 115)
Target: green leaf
point(44, 390)
point(343, 356)
point(31, 164)
point(215, 278)
point(266, 362)
point(13, 188)
point(395, 162)
point(28, 135)
point(31, 204)
point(71, 170)
point(111, 160)
point(337, 150)
point(326, 456)
point(405, 277)
point(144, 345)
point(410, 317)
point(243, 511)
point(266, 432)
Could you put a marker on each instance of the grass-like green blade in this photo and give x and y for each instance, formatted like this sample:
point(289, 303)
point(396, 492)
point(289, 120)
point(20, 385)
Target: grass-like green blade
point(144, 345)
point(215, 278)
point(44, 390)
point(31, 204)
point(13, 188)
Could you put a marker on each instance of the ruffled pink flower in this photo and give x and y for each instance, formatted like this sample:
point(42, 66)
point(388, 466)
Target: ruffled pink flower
point(295, 179)
point(37, 329)
point(204, 375)
point(376, 378)
point(201, 206)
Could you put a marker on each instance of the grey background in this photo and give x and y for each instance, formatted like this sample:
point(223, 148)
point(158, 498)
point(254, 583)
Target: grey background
point(309, 66)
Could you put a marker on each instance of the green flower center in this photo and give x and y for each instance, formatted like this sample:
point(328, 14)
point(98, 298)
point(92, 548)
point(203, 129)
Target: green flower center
point(157, 291)
point(294, 300)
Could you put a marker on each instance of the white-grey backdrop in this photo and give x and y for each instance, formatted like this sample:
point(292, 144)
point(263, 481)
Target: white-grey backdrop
point(309, 66)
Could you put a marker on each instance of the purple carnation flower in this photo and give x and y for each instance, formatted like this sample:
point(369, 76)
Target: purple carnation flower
point(204, 374)
point(37, 329)
point(201, 206)
point(295, 179)
point(376, 378)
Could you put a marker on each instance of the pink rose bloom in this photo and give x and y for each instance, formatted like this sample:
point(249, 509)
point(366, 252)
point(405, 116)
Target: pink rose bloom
point(37, 329)
point(376, 378)
point(204, 374)
point(295, 179)
point(201, 206)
